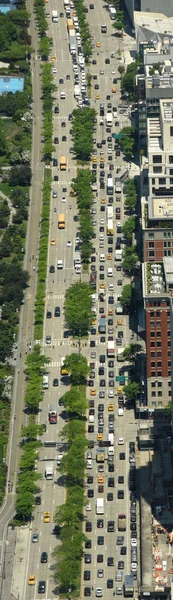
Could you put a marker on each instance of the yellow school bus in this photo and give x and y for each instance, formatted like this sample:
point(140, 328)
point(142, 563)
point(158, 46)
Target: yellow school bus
point(61, 221)
point(63, 163)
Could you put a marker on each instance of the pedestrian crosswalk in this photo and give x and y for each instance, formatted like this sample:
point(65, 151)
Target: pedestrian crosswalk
point(51, 296)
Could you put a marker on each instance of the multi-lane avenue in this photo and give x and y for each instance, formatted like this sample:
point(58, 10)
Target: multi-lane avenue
point(102, 573)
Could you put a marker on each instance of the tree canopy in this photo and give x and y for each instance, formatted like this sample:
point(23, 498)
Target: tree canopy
point(82, 128)
point(78, 308)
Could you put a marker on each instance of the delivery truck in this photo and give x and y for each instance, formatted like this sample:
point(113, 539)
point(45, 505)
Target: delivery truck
point(100, 506)
point(55, 16)
point(70, 25)
point(49, 471)
point(102, 325)
point(111, 349)
point(111, 439)
point(100, 455)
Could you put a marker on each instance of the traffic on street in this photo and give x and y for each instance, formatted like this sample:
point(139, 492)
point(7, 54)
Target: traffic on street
point(111, 527)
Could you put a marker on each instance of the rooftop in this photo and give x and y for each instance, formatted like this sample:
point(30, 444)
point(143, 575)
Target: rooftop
point(152, 26)
point(160, 208)
point(153, 280)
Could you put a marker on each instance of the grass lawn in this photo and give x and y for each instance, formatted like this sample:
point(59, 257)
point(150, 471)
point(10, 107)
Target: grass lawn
point(5, 188)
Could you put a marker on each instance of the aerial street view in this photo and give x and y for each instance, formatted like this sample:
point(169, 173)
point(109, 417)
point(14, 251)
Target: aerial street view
point(86, 309)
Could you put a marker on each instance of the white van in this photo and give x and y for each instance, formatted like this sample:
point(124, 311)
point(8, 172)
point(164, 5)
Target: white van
point(45, 382)
point(62, 96)
point(60, 264)
point(110, 272)
point(102, 257)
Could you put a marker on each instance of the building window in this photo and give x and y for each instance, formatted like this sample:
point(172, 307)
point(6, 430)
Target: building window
point(169, 383)
point(160, 404)
point(169, 363)
point(151, 253)
point(169, 393)
point(158, 334)
point(165, 252)
point(165, 244)
point(152, 313)
point(153, 394)
point(151, 323)
point(168, 244)
point(159, 383)
point(151, 236)
point(158, 159)
point(169, 343)
point(169, 373)
point(171, 180)
point(169, 353)
point(157, 313)
point(171, 131)
point(170, 171)
point(171, 159)
point(162, 181)
point(159, 394)
point(159, 373)
point(168, 332)
point(154, 404)
point(153, 181)
point(158, 324)
point(152, 334)
point(153, 364)
point(169, 253)
point(153, 384)
point(159, 364)
point(153, 374)
point(158, 354)
point(159, 170)
point(165, 234)
point(158, 344)
point(151, 244)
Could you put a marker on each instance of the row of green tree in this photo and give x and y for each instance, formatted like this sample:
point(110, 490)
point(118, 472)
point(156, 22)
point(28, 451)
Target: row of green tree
point(130, 257)
point(127, 142)
point(82, 132)
point(27, 484)
point(69, 517)
point(48, 88)
point(78, 308)
point(15, 42)
point(84, 28)
point(82, 186)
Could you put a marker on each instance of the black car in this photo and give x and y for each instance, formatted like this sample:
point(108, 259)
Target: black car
point(87, 558)
point(131, 447)
point(110, 561)
point(110, 497)
point(87, 575)
point(52, 269)
point(88, 544)
point(44, 557)
point(123, 550)
point(110, 526)
point(100, 540)
point(100, 523)
point(110, 363)
point(101, 371)
point(110, 583)
point(120, 494)
point(41, 587)
point(90, 479)
point(122, 456)
point(120, 479)
point(111, 468)
point(102, 358)
point(56, 110)
point(99, 558)
point(110, 481)
point(48, 314)
point(88, 526)
point(38, 500)
point(120, 565)
point(87, 591)
point(90, 493)
point(55, 162)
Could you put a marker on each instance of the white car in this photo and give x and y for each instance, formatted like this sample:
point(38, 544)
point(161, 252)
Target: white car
point(121, 441)
point(89, 463)
point(101, 237)
point(111, 394)
point(101, 220)
point(88, 507)
point(54, 70)
point(99, 592)
point(133, 567)
point(111, 286)
point(63, 199)
point(120, 412)
point(113, 72)
point(69, 244)
point(134, 543)
point(101, 72)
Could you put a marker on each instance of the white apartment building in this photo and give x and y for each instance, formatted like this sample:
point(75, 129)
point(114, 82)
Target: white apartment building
point(160, 160)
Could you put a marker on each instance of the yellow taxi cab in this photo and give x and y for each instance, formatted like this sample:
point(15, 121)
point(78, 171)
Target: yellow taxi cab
point(93, 322)
point(102, 159)
point(99, 437)
point(120, 390)
point(72, 193)
point(47, 517)
point(102, 286)
point(97, 96)
point(98, 44)
point(119, 322)
point(113, 90)
point(53, 58)
point(94, 159)
point(52, 242)
point(74, 13)
point(110, 312)
point(93, 392)
point(109, 256)
point(110, 407)
point(103, 201)
point(31, 580)
point(100, 479)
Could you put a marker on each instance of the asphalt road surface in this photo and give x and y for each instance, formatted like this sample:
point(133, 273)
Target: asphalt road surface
point(53, 492)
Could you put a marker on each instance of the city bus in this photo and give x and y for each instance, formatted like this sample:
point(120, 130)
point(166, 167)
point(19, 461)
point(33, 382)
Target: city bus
point(61, 221)
point(63, 370)
point(63, 163)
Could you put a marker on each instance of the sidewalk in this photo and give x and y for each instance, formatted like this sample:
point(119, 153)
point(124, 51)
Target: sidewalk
point(14, 569)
